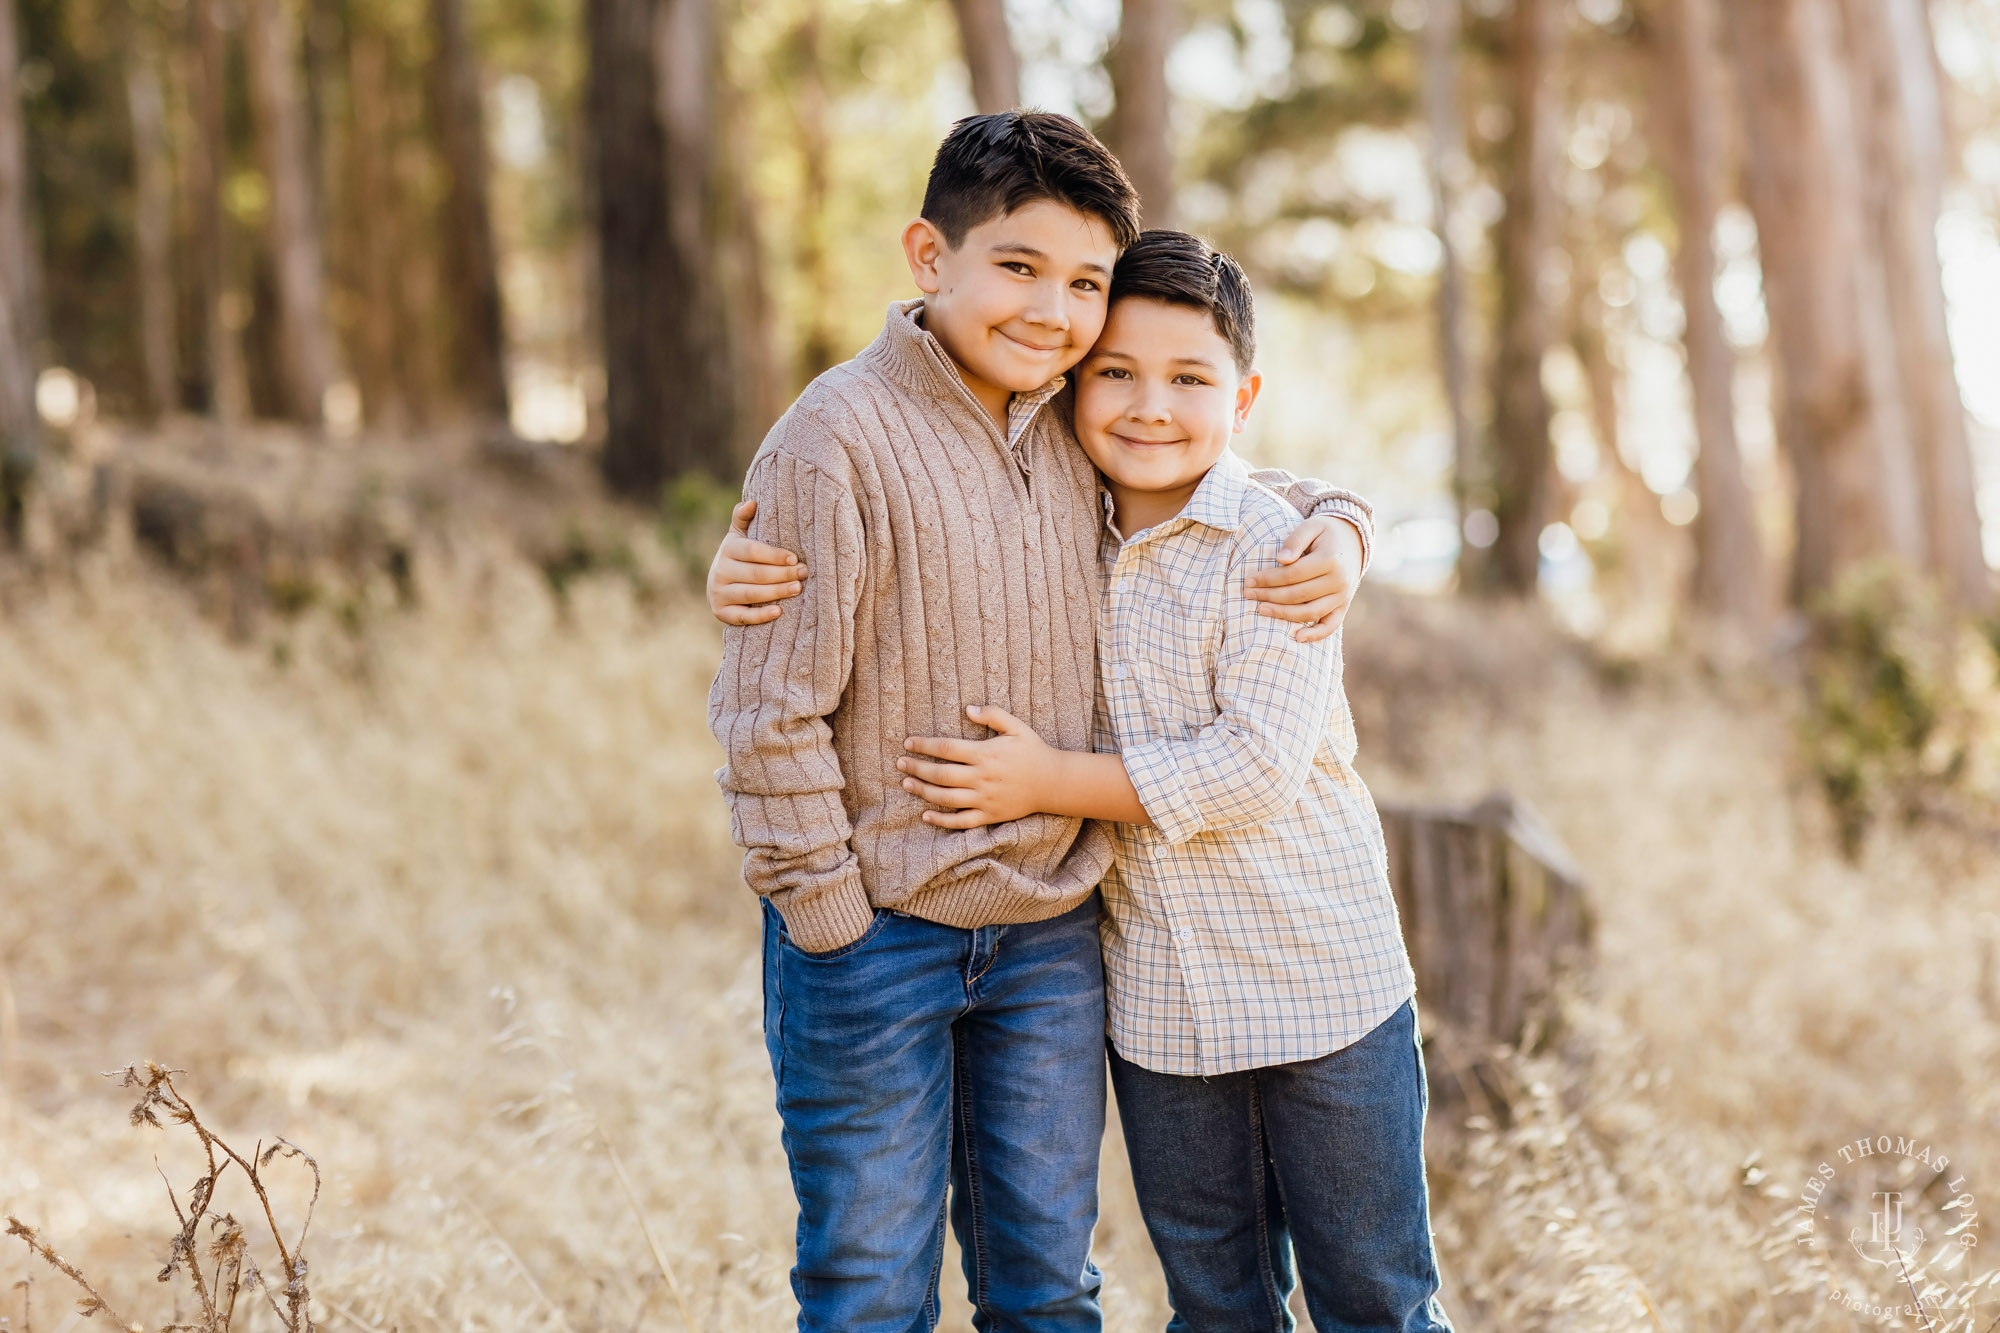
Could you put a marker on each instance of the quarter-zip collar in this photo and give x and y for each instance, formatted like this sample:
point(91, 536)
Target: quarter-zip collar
point(911, 354)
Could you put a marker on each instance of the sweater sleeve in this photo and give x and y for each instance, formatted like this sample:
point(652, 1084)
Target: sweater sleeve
point(769, 705)
point(1319, 499)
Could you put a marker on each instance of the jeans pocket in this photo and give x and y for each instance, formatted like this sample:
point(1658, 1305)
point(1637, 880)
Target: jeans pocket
point(882, 915)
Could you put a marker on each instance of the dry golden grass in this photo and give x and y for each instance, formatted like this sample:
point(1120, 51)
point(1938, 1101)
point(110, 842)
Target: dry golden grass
point(446, 897)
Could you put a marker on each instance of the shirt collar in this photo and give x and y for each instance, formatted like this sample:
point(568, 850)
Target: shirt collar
point(1216, 503)
point(1021, 408)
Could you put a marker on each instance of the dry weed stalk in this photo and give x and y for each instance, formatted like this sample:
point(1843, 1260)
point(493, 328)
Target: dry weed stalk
point(92, 1303)
point(231, 1267)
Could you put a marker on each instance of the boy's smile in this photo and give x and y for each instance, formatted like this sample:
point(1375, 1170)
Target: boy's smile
point(1157, 401)
point(1019, 300)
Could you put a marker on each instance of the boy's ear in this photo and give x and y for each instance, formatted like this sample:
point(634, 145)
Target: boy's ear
point(923, 246)
point(1247, 390)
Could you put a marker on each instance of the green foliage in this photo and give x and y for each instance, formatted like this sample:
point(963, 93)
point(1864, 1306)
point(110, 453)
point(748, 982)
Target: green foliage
point(1896, 690)
point(844, 102)
point(291, 592)
point(694, 513)
point(582, 552)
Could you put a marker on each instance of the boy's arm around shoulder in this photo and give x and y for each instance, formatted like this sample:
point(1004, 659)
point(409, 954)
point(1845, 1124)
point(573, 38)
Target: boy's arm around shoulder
point(1273, 696)
point(1320, 499)
point(777, 685)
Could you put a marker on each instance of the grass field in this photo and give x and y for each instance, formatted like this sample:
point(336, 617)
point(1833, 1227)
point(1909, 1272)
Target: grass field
point(445, 895)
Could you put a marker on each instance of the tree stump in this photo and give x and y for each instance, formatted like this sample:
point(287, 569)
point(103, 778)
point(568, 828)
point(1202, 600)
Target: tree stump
point(1494, 913)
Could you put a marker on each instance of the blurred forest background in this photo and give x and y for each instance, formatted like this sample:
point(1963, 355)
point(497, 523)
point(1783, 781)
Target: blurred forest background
point(1659, 306)
point(373, 375)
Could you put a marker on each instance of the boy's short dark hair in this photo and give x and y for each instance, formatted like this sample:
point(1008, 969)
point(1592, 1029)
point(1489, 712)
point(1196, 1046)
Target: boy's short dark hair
point(1180, 269)
point(990, 165)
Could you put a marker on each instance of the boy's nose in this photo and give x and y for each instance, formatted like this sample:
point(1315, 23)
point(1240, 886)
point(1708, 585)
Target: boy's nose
point(1050, 310)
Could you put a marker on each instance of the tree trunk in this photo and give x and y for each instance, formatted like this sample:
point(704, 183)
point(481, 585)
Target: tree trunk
point(629, 163)
point(674, 383)
point(1652, 555)
point(152, 216)
point(1141, 119)
point(989, 54)
point(1729, 577)
point(20, 297)
point(305, 344)
point(20, 279)
point(1902, 112)
point(478, 346)
point(1838, 408)
point(1528, 232)
point(809, 105)
point(759, 394)
point(1449, 167)
point(226, 386)
point(711, 278)
point(370, 230)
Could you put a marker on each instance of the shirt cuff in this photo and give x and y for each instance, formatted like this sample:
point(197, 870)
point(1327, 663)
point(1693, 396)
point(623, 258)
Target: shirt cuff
point(1156, 778)
point(1339, 506)
point(828, 920)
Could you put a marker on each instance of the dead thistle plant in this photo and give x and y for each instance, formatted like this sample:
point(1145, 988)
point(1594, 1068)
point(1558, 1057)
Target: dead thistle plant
point(221, 1270)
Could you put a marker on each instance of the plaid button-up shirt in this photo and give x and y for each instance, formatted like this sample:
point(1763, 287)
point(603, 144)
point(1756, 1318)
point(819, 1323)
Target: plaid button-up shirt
point(1252, 924)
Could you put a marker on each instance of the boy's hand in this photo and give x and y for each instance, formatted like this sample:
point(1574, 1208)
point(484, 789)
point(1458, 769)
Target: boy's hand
point(747, 578)
point(1314, 583)
point(980, 782)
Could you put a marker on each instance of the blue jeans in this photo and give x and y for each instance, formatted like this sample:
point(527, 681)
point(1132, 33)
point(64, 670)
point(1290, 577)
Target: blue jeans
point(1324, 1158)
point(925, 1060)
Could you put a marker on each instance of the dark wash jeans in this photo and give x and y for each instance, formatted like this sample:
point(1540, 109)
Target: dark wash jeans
point(923, 1060)
point(1323, 1158)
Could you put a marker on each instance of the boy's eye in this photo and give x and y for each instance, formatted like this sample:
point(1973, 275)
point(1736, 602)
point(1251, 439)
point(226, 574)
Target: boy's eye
point(1016, 266)
point(1115, 373)
point(1087, 284)
point(1189, 381)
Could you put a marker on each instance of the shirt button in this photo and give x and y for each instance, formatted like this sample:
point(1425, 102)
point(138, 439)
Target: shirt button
point(1118, 671)
point(1184, 934)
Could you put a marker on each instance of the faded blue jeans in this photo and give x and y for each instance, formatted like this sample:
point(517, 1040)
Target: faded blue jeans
point(925, 1060)
point(1322, 1158)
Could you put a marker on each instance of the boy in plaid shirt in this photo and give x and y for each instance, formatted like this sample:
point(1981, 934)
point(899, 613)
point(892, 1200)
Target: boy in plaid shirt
point(1261, 1004)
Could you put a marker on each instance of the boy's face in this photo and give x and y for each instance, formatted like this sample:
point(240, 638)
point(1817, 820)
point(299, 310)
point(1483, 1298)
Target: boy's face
point(1021, 298)
point(1159, 396)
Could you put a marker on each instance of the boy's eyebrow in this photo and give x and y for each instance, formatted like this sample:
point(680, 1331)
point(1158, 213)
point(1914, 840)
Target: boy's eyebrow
point(1113, 354)
point(1030, 252)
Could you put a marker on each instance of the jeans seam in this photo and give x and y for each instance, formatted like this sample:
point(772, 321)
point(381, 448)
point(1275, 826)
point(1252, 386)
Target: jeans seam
point(932, 1312)
point(1432, 1305)
point(975, 1209)
point(992, 956)
point(776, 962)
point(778, 984)
point(1260, 1153)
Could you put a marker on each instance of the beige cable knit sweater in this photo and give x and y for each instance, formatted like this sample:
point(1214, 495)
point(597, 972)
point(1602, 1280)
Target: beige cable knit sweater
point(947, 568)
